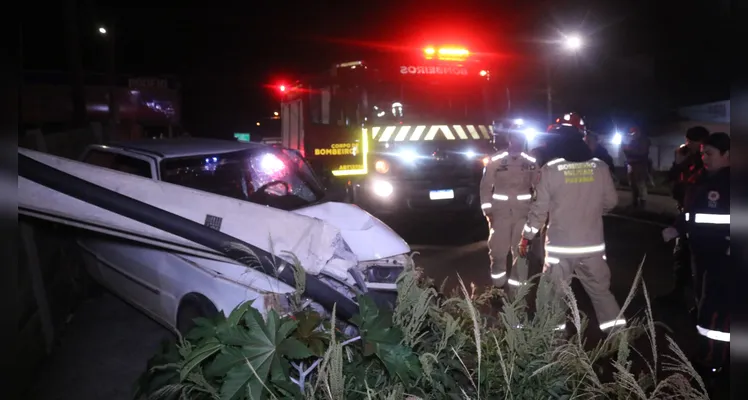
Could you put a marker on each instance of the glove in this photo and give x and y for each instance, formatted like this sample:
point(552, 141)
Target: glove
point(669, 234)
point(524, 245)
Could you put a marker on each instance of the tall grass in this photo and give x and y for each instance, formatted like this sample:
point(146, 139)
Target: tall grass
point(502, 361)
point(460, 350)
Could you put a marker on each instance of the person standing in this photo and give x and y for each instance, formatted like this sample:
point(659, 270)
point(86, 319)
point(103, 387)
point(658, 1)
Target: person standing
point(686, 169)
point(636, 151)
point(706, 221)
point(598, 150)
point(506, 194)
point(574, 192)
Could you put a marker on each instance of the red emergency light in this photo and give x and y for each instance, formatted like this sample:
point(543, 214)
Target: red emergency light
point(282, 88)
point(447, 53)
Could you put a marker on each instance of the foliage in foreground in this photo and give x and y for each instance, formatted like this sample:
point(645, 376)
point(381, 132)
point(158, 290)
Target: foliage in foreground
point(429, 347)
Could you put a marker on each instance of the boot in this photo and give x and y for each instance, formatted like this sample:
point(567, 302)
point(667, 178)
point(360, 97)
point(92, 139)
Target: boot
point(716, 379)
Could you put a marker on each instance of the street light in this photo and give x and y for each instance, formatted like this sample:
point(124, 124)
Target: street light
point(102, 30)
point(258, 124)
point(275, 113)
point(573, 42)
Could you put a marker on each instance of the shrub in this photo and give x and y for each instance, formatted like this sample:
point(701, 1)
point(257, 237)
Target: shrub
point(429, 347)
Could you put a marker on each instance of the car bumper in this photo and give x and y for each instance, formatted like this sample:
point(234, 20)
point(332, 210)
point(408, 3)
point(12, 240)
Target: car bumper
point(418, 197)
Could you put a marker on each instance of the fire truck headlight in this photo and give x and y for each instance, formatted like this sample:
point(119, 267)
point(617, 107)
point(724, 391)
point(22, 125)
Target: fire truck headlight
point(382, 166)
point(617, 139)
point(530, 133)
point(382, 188)
point(469, 154)
point(408, 155)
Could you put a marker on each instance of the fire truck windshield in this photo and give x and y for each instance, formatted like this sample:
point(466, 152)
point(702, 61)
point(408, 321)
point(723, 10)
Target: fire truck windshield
point(427, 102)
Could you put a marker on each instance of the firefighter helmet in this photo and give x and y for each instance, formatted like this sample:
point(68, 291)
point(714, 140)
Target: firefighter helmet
point(568, 124)
point(572, 119)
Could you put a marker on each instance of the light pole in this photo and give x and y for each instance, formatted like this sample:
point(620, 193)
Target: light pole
point(571, 43)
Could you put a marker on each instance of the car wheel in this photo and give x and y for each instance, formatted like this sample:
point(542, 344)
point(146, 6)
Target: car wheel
point(193, 306)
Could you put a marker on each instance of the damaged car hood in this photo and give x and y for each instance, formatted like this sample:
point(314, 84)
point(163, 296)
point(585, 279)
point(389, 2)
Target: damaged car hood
point(368, 237)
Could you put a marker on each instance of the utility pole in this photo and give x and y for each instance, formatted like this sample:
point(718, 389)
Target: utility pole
point(548, 90)
point(75, 64)
point(21, 64)
point(113, 106)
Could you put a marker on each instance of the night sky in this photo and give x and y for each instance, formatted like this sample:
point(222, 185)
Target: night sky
point(226, 57)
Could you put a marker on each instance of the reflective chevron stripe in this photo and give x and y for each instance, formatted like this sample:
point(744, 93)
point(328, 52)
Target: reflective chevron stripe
point(427, 133)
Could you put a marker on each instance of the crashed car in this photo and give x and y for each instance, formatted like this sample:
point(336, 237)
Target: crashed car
point(263, 195)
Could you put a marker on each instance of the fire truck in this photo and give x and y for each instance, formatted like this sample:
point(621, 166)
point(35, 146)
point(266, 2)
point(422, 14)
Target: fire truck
point(401, 132)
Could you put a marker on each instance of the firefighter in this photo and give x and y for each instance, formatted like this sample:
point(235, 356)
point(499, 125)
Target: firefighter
point(506, 194)
point(706, 221)
point(574, 192)
point(636, 151)
point(686, 169)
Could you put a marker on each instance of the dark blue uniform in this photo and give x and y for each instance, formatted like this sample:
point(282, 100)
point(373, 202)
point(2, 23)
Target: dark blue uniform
point(706, 222)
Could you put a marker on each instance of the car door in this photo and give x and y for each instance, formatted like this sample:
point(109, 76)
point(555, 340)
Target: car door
point(131, 270)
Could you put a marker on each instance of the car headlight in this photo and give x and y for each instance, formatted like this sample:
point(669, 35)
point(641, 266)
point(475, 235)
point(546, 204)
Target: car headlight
point(380, 274)
point(382, 166)
point(382, 188)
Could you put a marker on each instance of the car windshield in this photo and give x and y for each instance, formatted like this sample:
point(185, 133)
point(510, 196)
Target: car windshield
point(278, 178)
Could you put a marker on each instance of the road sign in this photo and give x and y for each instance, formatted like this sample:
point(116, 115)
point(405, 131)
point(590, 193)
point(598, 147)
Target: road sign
point(242, 137)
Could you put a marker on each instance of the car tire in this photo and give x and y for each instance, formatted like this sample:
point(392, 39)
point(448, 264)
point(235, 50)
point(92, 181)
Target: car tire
point(193, 306)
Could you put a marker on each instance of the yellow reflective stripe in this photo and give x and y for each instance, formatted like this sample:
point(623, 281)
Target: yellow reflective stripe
point(418, 132)
point(484, 132)
point(474, 133)
point(374, 132)
point(402, 133)
point(364, 154)
point(388, 131)
point(499, 156)
point(460, 131)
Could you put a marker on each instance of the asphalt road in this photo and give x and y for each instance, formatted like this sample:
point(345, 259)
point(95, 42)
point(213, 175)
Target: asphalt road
point(107, 343)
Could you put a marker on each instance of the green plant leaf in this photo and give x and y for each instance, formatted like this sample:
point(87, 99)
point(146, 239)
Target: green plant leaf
point(248, 368)
point(293, 349)
point(204, 328)
point(381, 338)
point(238, 313)
point(199, 355)
point(308, 332)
